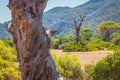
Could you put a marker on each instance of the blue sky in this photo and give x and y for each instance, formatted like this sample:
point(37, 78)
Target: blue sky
point(6, 16)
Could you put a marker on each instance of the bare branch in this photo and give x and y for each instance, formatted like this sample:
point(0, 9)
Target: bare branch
point(82, 16)
point(74, 20)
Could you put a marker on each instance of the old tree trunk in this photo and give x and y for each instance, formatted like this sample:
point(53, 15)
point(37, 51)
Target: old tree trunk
point(35, 61)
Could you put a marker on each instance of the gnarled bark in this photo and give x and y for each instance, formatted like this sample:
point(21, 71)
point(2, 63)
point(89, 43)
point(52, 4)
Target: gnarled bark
point(35, 61)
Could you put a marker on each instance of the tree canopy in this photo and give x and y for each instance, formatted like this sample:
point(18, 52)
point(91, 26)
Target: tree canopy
point(107, 28)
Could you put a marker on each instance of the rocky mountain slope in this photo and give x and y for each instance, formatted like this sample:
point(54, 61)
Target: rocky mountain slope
point(60, 18)
point(96, 12)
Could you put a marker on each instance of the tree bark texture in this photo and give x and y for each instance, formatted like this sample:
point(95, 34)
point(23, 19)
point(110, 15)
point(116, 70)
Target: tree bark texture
point(35, 61)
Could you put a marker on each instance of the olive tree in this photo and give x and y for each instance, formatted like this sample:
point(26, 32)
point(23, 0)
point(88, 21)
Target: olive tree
point(35, 61)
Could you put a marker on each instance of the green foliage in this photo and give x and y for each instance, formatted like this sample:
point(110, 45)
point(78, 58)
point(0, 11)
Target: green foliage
point(60, 17)
point(86, 34)
point(109, 25)
point(60, 42)
point(8, 70)
point(93, 47)
point(107, 28)
point(9, 42)
point(6, 52)
point(74, 47)
point(108, 68)
point(55, 43)
point(68, 66)
point(113, 47)
point(89, 69)
point(96, 38)
point(115, 38)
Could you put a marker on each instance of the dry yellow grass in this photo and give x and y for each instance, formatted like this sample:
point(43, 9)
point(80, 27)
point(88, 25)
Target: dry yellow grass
point(86, 57)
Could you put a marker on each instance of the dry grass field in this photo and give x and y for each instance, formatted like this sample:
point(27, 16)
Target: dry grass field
point(86, 57)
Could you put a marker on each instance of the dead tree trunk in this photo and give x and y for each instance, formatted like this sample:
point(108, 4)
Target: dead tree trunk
point(35, 61)
point(78, 25)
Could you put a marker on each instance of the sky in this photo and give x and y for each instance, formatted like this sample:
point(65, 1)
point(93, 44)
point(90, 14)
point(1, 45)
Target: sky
point(6, 16)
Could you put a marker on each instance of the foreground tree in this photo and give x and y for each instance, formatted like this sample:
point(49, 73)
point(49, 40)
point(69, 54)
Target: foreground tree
point(107, 28)
point(35, 61)
point(78, 25)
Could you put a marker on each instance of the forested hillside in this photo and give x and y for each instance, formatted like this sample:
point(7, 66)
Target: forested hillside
point(96, 12)
point(3, 31)
point(60, 18)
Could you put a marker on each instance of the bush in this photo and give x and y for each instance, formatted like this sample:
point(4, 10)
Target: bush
point(108, 68)
point(115, 38)
point(74, 47)
point(68, 66)
point(60, 42)
point(8, 71)
point(116, 41)
point(89, 69)
point(113, 47)
point(92, 47)
point(62, 46)
point(6, 52)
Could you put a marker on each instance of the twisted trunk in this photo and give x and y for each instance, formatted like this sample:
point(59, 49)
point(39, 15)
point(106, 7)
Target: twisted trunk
point(35, 61)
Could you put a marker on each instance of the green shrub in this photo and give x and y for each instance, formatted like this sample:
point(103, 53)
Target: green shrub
point(62, 46)
point(55, 44)
point(9, 42)
point(113, 47)
point(8, 71)
point(91, 47)
point(60, 42)
point(108, 68)
point(6, 52)
point(68, 66)
point(115, 38)
point(116, 41)
point(89, 69)
point(74, 47)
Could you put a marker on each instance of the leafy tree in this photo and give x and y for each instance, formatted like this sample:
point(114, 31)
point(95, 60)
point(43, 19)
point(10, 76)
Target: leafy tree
point(115, 38)
point(108, 68)
point(86, 34)
point(60, 42)
point(107, 28)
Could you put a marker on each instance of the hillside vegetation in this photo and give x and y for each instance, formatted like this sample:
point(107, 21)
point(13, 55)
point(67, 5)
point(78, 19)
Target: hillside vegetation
point(8, 69)
point(96, 11)
point(107, 37)
point(3, 30)
point(60, 18)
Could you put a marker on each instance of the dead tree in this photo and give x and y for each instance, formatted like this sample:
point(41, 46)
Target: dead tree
point(35, 61)
point(78, 25)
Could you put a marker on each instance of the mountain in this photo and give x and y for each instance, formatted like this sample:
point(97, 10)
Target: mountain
point(60, 18)
point(96, 12)
point(3, 30)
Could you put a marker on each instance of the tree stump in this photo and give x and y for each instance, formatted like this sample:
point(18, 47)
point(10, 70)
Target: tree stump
point(35, 61)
